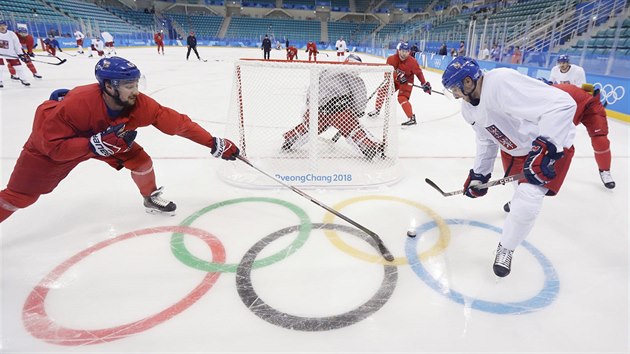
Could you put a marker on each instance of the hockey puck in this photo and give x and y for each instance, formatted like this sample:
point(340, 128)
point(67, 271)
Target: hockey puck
point(411, 233)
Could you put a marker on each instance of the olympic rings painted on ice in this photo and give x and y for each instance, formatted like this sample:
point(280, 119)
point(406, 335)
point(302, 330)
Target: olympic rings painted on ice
point(610, 94)
point(543, 298)
point(181, 253)
point(441, 244)
point(38, 323)
point(253, 302)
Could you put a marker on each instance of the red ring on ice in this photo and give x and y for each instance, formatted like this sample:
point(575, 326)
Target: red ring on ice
point(38, 323)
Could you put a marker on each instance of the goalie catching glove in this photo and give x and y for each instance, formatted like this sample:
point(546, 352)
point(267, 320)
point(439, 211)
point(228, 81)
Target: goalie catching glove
point(473, 180)
point(224, 148)
point(539, 169)
point(112, 141)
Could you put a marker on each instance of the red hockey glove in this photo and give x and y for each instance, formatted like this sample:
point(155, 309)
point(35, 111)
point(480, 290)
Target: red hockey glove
point(474, 179)
point(538, 167)
point(224, 148)
point(112, 141)
point(426, 87)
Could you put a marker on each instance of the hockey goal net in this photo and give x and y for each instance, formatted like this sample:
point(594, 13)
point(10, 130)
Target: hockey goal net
point(307, 124)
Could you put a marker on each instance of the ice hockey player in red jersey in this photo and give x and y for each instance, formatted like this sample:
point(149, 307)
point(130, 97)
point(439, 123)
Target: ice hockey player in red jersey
point(28, 43)
point(158, 37)
point(292, 53)
point(406, 68)
point(311, 49)
point(99, 121)
point(341, 102)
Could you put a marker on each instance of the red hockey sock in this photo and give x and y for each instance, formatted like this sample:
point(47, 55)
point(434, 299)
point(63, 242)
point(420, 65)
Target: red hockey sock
point(601, 147)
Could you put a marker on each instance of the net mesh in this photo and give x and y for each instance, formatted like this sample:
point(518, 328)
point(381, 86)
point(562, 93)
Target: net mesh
point(307, 124)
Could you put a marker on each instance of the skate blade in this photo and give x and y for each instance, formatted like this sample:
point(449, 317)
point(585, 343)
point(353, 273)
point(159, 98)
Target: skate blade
point(158, 212)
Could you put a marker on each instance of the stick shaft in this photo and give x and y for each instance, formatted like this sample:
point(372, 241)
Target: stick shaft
point(501, 181)
point(372, 234)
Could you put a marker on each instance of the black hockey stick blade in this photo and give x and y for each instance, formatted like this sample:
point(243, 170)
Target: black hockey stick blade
point(501, 181)
point(379, 242)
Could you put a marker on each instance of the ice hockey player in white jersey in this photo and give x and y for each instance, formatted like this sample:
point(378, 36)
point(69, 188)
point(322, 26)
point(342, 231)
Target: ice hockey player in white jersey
point(341, 47)
point(567, 73)
point(109, 43)
point(79, 36)
point(11, 52)
point(342, 100)
point(531, 123)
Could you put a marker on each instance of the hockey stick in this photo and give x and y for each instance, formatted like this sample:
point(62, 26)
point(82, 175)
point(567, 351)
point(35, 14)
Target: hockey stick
point(338, 134)
point(502, 181)
point(379, 242)
point(61, 61)
point(432, 90)
point(72, 55)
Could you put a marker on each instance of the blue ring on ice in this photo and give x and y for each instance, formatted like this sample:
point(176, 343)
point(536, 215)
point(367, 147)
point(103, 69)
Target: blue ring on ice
point(543, 298)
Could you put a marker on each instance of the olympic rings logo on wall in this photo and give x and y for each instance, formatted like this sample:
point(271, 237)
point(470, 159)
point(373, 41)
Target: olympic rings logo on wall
point(609, 93)
point(40, 325)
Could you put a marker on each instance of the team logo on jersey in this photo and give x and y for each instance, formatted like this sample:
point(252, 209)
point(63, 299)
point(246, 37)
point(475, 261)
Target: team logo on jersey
point(501, 138)
point(610, 94)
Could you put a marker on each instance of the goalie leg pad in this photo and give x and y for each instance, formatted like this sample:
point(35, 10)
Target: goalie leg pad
point(364, 142)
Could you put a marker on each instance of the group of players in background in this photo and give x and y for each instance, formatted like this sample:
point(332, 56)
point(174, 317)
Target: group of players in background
point(18, 47)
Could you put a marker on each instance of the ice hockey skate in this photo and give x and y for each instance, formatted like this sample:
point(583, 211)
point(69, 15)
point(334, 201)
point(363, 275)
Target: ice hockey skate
point(154, 204)
point(502, 261)
point(607, 179)
point(37, 76)
point(411, 121)
point(14, 77)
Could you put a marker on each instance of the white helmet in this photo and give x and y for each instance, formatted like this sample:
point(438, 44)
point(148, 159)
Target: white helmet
point(353, 58)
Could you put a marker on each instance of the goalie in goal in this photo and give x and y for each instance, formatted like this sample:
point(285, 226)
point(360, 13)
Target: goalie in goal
point(342, 101)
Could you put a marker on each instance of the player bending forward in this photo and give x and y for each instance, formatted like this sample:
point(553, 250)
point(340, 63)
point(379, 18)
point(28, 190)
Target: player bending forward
point(531, 123)
point(99, 121)
point(342, 101)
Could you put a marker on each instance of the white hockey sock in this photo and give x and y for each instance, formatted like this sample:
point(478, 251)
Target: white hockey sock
point(526, 205)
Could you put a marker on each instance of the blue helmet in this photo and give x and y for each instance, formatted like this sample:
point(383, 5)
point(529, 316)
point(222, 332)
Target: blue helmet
point(563, 58)
point(459, 69)
point(3, 21)
point(404, 46)
point(115, 69)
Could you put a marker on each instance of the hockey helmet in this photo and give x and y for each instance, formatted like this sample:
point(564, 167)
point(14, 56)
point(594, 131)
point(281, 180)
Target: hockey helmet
point(563, 58)
point(22, 30)
point(404, 46)
point(459, 69)
point(115, 69)
point(3, 22)
point(59, 94)
point(353, 58)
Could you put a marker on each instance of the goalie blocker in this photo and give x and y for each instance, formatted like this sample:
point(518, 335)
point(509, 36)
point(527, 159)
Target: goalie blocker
point(294, 142)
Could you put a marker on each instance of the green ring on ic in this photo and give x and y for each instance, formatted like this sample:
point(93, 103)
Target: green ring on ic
point(180, 252)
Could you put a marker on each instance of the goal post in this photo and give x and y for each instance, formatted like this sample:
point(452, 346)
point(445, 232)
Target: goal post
point(306, 123)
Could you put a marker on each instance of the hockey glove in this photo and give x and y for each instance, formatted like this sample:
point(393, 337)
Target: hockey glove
point(24, 58)
point(539, 169)
point(224, 148)
point(401, 77)
point(475, 179)
point(112, 141)
point(426, 87)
